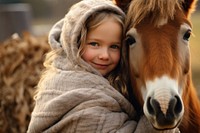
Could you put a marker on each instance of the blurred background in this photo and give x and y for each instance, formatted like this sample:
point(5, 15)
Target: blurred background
point(22, 54)
point(35, 16)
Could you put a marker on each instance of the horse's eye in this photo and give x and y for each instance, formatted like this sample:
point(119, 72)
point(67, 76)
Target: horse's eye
point(130, 40)
point(187, 35)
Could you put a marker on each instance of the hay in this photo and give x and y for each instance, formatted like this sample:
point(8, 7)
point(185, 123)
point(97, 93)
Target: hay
point(21, 63)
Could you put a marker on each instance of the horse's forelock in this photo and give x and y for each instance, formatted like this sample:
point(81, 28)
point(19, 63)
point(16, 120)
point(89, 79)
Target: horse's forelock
point(158, 9)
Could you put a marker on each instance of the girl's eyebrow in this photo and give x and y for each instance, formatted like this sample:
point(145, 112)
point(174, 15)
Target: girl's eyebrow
point(100, 40)
point(94, 40)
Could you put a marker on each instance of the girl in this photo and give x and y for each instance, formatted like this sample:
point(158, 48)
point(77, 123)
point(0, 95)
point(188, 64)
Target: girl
point(75, 92)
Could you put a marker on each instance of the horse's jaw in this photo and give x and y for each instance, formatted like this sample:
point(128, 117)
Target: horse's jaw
point(162, 103)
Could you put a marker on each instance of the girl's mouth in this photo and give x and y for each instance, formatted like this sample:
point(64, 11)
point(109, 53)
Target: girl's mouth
point(100, 66)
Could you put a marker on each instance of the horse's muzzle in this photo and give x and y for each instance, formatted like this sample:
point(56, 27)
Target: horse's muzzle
point(165, 120)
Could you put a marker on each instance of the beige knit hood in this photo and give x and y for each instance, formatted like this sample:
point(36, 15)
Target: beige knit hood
point(64, 34)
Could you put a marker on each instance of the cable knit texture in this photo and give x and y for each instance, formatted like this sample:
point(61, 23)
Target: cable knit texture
point(72, 100)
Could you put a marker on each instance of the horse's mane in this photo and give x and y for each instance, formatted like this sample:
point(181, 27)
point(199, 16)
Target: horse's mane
point(157, 9)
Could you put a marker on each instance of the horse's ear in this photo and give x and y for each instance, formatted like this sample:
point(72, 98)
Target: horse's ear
point(189, 6)
point(123, 4)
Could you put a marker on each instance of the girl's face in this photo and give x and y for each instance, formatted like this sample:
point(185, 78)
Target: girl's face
point(102, 47)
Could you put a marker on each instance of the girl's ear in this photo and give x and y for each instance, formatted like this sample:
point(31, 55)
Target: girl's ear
point(123, 4)
point(189, 6)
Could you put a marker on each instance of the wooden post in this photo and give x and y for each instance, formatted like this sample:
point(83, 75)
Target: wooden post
point(14, 18)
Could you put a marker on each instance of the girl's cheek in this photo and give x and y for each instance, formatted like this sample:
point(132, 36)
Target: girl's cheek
point(116, 57)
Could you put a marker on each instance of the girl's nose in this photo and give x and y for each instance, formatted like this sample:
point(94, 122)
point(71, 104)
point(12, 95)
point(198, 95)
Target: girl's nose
point(104, 54)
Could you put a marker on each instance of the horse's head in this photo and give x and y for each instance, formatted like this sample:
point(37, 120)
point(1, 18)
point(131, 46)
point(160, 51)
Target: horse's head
point(157, 44)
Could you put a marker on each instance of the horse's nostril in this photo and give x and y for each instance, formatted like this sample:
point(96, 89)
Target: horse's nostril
point(175, 105)
point(149, 106)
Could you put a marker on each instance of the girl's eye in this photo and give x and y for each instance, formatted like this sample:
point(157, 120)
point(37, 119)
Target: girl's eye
point(115, 46)
point(95, 44)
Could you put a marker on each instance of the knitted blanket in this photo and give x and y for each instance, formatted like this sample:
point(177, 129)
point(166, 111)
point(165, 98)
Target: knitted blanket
point(80, 102)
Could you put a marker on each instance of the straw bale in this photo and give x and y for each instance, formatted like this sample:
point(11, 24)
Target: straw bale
point(21, 63)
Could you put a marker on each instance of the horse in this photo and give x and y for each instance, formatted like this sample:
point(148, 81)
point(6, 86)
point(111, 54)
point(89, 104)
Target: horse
point(157, 49)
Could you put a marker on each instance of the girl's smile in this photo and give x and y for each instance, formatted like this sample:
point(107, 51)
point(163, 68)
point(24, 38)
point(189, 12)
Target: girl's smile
point(100, 66)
